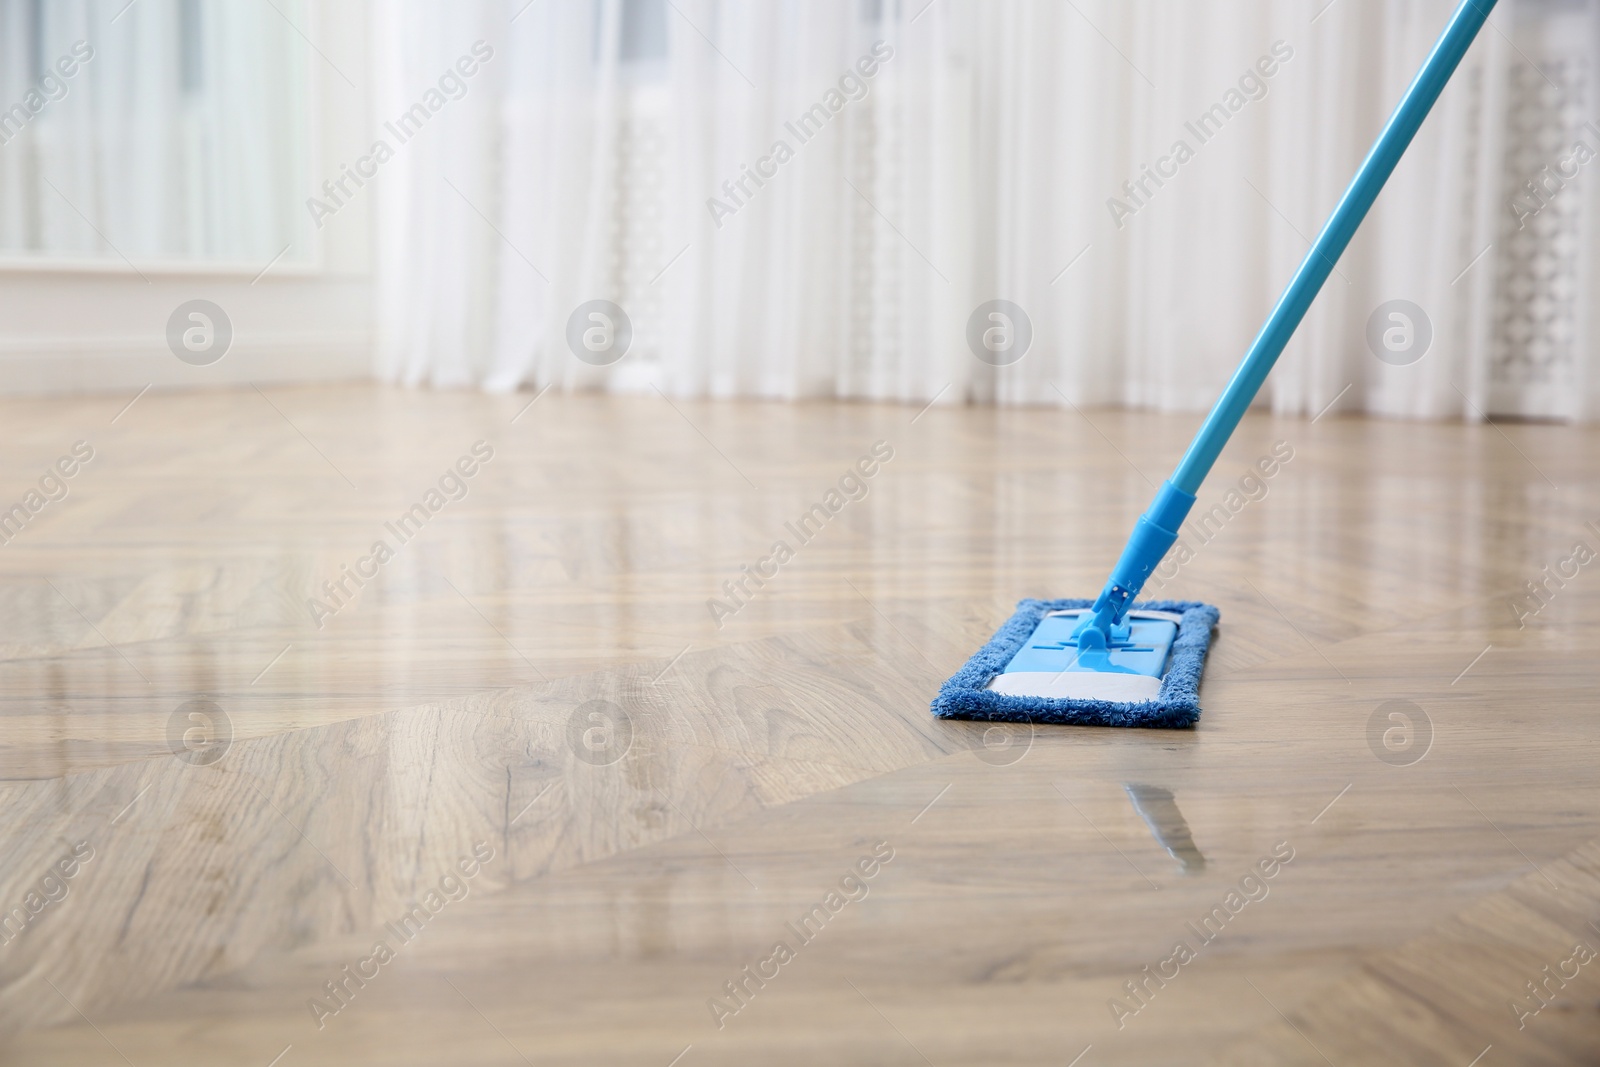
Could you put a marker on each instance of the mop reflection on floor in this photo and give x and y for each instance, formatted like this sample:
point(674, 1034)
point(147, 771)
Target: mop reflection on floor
point(1159, 810)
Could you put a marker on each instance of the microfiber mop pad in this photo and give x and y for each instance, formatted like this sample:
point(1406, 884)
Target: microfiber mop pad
point(1175, 702)
point(1109, 661)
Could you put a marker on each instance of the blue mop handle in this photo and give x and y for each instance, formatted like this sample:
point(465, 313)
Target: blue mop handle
point(1158, 528)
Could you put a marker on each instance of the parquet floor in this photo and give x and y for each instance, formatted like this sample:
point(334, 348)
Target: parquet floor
point(514, 793)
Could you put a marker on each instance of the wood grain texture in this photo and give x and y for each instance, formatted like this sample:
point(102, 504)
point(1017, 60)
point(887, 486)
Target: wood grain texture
point(736, 774)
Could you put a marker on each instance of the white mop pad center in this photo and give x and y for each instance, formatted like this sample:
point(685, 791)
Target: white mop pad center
point(1078, 685)
point(1047, 663)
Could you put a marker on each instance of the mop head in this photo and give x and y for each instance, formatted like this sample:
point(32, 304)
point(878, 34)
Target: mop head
point(1029, 670)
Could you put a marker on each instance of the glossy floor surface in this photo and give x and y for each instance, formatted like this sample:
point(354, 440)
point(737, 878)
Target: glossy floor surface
point(534, 786)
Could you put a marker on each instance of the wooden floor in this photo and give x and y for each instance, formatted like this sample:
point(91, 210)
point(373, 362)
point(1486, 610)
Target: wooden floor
point(520, 799)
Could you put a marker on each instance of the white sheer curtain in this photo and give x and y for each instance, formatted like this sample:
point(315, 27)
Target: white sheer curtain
point(981, 160)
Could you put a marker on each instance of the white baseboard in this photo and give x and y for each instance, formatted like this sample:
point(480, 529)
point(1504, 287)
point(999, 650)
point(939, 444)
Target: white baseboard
point(39, 365)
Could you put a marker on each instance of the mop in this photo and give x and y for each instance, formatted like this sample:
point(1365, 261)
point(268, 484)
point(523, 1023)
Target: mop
point(1109, 661)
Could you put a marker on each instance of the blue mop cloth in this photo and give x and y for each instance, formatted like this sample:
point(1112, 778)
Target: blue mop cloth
point(966, 696)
